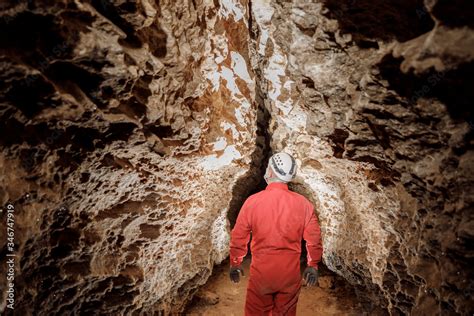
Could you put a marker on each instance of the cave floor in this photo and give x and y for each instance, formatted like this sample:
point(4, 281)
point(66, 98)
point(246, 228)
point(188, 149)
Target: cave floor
point(219, 296)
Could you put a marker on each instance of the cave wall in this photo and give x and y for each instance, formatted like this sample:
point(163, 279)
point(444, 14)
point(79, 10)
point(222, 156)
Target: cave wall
point(125, 128)
point(130, 131)
point(374, 101)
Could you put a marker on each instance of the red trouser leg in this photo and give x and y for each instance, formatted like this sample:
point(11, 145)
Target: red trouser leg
point(285, 301)
point(274, 285)
point(257, 303)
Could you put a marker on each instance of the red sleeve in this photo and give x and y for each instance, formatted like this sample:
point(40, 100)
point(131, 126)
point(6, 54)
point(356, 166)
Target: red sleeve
point(240, 236)
point(312, 236)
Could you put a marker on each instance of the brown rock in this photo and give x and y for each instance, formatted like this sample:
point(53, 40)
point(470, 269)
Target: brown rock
point(378, 94)
point(129, 126)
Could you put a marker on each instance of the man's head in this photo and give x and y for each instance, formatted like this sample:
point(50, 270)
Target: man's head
point(281, 168)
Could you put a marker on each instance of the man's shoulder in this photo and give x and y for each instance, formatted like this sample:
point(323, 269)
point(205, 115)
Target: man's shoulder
point(251, 199)
point(255, 196)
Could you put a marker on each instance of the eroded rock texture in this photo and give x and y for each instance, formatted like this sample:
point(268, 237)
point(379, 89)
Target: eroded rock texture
point(131, 131)
point(373, 98)
point(125, 126)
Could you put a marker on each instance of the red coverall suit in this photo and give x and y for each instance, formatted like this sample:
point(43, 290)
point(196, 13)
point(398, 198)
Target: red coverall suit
point(278, 219)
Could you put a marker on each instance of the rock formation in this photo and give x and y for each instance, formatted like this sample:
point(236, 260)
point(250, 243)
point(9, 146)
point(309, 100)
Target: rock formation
point(132, 131)
point(373, 100)
point(124, 130)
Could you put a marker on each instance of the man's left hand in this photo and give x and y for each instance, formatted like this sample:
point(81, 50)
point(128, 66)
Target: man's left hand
point(310, 275)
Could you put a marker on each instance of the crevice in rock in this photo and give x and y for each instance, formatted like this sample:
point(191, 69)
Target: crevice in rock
point(338, 138)
point(253, 182)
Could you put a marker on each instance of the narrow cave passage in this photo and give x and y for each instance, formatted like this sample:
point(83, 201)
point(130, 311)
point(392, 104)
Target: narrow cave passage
point(219, 296)
point(332, 296)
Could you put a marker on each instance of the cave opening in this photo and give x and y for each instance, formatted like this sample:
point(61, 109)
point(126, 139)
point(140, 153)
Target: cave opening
point(253, 181)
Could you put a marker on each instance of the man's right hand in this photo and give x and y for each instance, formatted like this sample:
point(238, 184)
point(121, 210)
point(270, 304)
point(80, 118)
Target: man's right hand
point(310, 275)
point(234, 274)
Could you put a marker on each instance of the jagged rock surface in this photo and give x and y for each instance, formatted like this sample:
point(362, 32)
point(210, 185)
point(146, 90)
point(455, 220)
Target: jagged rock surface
point(373, 99)
point(125, 128)
point(130, 130)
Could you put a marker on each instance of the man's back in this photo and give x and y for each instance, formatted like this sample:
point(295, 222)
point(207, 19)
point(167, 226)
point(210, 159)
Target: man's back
point(278, 220)
point(277, 217)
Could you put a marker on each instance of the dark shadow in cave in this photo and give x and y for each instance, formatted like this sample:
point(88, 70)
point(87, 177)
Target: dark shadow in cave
point(33, 38)
point(153, 35)
point(455, 13)
point(385, 20)
point(453, 88)
point(112, 13)
point(86, 76)
point(31, 95)
point(45, 43)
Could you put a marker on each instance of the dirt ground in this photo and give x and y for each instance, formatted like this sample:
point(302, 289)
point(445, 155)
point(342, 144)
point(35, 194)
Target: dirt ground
point(220, 297)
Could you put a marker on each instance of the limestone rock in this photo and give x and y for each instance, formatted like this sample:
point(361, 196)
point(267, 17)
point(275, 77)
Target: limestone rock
point(373, 99)
point(125, 128)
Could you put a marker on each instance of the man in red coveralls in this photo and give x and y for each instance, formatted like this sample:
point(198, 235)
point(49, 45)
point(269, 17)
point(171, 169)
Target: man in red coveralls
point(278, 220)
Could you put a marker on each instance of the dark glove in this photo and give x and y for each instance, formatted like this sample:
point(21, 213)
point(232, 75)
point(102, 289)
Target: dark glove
point(310, 275)
point(234, 274)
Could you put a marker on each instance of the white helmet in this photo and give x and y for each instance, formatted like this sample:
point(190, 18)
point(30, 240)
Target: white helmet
point(284, 166)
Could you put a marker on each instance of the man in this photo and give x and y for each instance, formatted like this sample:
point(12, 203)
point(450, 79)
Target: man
point(278, 220)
